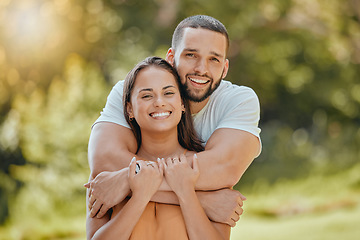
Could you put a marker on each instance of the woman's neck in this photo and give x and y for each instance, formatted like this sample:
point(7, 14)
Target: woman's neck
point(159, 146)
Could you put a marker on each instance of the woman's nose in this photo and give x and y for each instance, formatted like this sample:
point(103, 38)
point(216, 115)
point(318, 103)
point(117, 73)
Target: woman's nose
point(159, 101)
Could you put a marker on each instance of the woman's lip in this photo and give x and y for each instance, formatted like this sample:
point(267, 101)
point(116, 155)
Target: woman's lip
point(160, 114)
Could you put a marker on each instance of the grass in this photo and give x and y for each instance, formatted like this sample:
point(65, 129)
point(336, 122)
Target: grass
point(337, 224)
point(317, 207)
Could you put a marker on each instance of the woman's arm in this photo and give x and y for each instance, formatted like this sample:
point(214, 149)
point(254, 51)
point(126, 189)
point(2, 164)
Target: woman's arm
point(182, 178)
point(197, 223)
point(143, 185)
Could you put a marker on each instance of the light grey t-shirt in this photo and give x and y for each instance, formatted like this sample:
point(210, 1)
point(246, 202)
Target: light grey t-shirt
point(230, 106)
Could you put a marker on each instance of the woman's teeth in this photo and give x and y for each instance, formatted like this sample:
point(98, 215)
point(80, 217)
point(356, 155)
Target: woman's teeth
point(161, 114)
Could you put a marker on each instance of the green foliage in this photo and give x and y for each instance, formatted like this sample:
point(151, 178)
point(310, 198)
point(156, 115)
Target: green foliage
point(54, 129)
point(59, 60)
point(313, 207)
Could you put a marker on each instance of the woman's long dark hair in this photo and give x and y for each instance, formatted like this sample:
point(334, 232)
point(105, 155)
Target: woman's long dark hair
point(187, 136)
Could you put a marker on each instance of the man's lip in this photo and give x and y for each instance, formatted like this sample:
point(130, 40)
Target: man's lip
point(198, 81)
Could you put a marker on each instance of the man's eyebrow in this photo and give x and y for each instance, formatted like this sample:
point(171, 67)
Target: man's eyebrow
point(212, 52)
point(216, 54)
point(190, 50)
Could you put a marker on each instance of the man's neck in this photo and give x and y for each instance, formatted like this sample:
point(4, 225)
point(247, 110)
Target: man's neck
point(196, 107)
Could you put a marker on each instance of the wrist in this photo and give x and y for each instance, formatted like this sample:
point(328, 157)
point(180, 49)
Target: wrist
point(139, 201)
point(185, 193)
point(140, 198)
point(123, 179)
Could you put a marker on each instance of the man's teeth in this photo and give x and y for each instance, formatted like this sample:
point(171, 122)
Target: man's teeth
point(198, 80)
point(161, 114)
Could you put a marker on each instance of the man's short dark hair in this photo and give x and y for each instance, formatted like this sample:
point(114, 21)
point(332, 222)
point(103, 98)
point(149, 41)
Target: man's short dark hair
point(198, 21)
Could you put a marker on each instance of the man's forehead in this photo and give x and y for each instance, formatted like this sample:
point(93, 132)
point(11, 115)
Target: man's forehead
point(196, 39)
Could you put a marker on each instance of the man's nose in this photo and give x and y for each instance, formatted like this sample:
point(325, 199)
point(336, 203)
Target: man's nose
point(201, 67)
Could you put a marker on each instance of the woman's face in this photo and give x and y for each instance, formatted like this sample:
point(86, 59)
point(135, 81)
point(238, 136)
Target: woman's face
point(155, 100)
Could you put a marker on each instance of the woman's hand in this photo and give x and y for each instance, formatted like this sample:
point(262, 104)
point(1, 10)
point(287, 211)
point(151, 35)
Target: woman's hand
point(179, 175)
point(147, 180)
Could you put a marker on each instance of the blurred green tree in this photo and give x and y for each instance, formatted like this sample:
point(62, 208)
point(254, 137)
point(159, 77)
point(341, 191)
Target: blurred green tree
point(59, 59)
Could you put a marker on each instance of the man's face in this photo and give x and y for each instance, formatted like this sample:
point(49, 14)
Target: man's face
point(200, 61)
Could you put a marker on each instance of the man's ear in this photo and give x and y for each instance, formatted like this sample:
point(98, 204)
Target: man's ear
point(226, 69)
point(170, 56)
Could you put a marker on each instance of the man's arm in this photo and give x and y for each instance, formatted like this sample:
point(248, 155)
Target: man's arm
point(111, 147)
point(228, 153)
point(222, 162)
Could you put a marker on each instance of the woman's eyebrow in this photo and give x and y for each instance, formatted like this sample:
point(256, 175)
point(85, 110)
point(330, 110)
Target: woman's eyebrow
point(170, 86)
point(151, 90)
point(146, 90)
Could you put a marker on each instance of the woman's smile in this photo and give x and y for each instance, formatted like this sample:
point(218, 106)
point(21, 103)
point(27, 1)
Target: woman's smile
point(160, 115)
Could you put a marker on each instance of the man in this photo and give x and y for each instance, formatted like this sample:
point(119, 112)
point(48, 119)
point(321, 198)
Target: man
point(225, 116)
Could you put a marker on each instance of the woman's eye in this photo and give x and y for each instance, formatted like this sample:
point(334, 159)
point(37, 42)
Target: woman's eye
point(146, 96)
point(169, 93)
point(190, 55)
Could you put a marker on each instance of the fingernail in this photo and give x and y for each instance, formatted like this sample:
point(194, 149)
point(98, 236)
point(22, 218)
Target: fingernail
point(133, 159)
point(158, 159)
point(195, 155)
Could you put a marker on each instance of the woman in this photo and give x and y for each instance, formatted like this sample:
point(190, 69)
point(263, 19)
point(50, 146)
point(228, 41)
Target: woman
point(160, 118)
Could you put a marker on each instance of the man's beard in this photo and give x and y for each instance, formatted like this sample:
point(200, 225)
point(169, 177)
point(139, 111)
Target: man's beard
point(192, 96)
point(198, 98)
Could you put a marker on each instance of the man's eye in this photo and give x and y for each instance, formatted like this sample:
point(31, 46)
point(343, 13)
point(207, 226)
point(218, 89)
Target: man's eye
point(190, 55)
point(215, 60)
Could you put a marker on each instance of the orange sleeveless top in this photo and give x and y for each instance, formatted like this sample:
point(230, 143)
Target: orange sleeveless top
point(159, 221)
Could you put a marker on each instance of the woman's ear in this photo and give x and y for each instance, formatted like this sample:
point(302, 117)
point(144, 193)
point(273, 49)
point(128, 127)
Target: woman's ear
point(130, 111)
point(183, 108)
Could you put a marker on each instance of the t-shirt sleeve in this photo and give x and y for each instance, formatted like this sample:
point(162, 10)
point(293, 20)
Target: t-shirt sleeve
point(114, 111)
point(241, 110)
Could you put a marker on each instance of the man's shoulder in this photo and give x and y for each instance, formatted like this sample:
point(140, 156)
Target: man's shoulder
point(117, 89)
point(229, 90)
point(119, 85)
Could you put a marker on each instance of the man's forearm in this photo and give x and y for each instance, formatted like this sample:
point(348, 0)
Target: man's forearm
point(224, 206)
point(228, 153)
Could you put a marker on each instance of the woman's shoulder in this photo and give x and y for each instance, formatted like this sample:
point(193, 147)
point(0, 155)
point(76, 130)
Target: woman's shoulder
point(189, 153)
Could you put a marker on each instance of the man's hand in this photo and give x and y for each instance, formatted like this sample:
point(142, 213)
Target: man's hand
point(224, 206)
point(107, 190)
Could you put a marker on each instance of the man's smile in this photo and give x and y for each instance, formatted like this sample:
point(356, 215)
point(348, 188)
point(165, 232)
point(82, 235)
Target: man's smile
point(198, 81)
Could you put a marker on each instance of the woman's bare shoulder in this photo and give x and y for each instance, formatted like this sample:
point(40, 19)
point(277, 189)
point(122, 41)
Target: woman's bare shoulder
point(189, 153)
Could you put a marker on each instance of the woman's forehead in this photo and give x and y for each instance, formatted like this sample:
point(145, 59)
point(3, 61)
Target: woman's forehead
point(154, 77)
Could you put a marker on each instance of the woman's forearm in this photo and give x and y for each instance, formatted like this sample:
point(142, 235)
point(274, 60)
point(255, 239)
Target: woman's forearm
point(197, 223)
point(122, 225)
